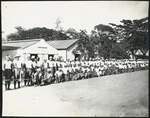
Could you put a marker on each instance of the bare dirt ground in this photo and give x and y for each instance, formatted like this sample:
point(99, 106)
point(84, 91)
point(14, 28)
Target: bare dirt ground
point(124, 95)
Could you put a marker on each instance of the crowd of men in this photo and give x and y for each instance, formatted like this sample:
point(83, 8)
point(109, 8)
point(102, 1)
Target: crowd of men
point(34, 72)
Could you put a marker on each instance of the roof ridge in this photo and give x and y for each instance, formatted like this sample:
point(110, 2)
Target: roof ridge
point(17, 41)
point(58, 44)
point(65, 40)
point(30, 40)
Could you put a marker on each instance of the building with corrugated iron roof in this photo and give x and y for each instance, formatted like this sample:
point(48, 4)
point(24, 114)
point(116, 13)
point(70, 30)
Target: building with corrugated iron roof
point(41, 48)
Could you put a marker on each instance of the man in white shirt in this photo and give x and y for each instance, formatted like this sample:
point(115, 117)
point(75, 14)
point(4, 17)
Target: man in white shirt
point(129, 67)
point(120, 68)
point(65, 73)
point(7, 72)
point(38, 73)
point(28, 72)
point(18, 72)
point(58, 75)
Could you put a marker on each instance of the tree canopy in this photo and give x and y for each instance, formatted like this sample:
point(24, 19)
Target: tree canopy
point(37, 32)
point(108, 41)
point(134, 33)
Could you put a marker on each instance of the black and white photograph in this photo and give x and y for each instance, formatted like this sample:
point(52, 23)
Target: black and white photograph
point(75, 58)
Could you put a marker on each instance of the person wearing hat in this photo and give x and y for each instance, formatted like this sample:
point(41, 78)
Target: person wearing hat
point(18, 71)
point(8, 72)
point(37, 75)
point(28, 72)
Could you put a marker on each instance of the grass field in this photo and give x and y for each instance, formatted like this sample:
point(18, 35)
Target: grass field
point(116, 95)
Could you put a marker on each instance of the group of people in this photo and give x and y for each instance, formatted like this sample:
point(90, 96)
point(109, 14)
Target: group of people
point(35, 72)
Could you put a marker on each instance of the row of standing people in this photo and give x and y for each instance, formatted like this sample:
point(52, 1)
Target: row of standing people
point(35, 72)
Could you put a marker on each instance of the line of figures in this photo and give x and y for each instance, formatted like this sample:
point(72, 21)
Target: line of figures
point(33, 72)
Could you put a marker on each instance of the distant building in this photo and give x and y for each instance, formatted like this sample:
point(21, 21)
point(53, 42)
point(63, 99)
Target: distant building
point(65, 48)
point(41, 48)
point(140, 55)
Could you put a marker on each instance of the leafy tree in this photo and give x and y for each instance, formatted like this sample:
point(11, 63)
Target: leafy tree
point(36, 33)
point(119, 52)
point(134, 34)
point(85, 47)
point(72, 33)
point(104, 29)
point(104, 40)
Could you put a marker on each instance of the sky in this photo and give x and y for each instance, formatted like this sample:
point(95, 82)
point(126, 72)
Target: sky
point(73, 14)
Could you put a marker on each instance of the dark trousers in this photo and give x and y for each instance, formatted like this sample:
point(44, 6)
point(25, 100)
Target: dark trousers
point(7, 85)
point(28, 77)
point(8, 75)
point(16, 75)
point(16, 82)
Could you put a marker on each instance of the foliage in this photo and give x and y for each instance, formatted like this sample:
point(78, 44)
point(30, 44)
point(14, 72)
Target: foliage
point(85, 47)
point(36, 33)
point(108, 41)
point(134, 34)
point(72, 33)
point(105, 40)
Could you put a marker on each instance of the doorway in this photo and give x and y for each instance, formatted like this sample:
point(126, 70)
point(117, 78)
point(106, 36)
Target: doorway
point(51, 56)
point(33, 56)
point(77, 56)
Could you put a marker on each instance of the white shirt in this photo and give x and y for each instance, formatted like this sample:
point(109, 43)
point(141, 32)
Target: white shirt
point(129, 65)
point(77, 62)
point(97, 70)
point(58, 73)
point(120, 66)
point(64, 70)
point(101, 68)
point(88, 69)
point(72, 63)
point(83, 69)
point(105, 67)
point(70, 69)
point(45, 65)
point(51, 63)
point(92, 68)
point(39, 63)
point(28, 64)
point(17, 63)
point(7, 64)
point(34, 64)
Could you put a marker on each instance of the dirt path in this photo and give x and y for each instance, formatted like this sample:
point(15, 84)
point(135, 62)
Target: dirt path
point(116, 95)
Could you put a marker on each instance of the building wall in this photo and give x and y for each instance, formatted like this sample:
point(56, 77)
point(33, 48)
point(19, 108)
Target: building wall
point(42, 52)
point(42, 49)
point(62, 53)
point(70, 55)
point(67, 54)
